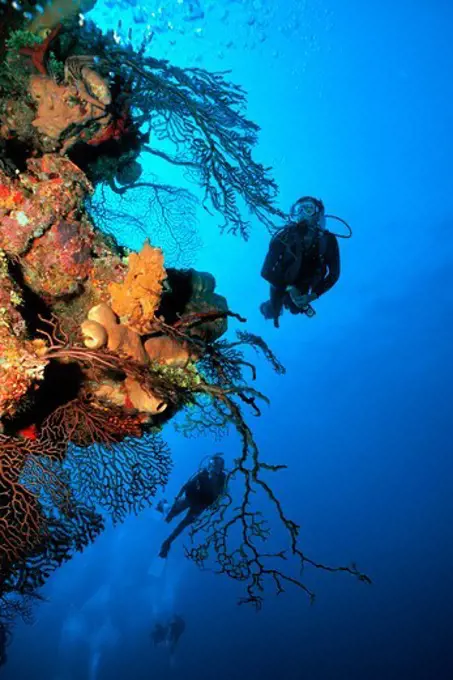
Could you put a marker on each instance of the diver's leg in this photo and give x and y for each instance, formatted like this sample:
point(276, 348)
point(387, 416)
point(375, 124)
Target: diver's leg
point(185, 522)
point(178, 506)
point(277, 295)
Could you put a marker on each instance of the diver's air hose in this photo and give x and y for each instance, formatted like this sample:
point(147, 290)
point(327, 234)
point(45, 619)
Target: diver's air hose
point(339, 219)
point(281, 235)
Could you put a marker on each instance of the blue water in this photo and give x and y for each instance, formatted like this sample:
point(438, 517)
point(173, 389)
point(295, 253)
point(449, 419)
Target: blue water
point(356, 106)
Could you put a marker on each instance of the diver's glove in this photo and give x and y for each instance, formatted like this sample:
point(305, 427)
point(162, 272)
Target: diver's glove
point(301, 301)
point(307, 299)
point(163, 506)
point(268, 312)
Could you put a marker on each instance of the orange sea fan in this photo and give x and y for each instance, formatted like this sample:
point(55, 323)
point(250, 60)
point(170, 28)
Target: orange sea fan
point(136, 299)
point(20, 516)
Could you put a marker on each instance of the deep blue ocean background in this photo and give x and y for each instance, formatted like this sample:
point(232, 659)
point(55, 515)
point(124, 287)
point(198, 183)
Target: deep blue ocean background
point(355, 103)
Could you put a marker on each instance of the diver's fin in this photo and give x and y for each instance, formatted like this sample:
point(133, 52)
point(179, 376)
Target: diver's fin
point(157, 567)
point(94, 665)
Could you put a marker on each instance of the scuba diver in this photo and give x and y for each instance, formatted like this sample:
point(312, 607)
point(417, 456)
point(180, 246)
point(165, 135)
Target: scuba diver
point(159, 634)
point(169, 634)
point(303, 261)
point(197, 495)
point(176, 629)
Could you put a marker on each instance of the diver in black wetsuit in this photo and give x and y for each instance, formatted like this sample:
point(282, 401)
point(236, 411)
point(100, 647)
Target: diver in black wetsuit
point(168, 634)
point(159, 634)
point(303, 262)
point(177, 627)
point(196, 496)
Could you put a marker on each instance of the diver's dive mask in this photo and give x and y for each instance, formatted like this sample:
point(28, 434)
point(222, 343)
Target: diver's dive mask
point(311, 210)
point(216, 464)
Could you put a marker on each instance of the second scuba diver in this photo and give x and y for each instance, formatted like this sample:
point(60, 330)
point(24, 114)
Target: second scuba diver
point(196, 496)
point(303, 261)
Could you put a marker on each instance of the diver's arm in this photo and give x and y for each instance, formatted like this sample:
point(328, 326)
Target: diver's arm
point(182, 491)
point(194, 482)
point(332, 260)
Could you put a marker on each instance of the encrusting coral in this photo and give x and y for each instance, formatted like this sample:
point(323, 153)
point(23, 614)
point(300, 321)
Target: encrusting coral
point(20, 367)
point(67, 113)
point(76, 312)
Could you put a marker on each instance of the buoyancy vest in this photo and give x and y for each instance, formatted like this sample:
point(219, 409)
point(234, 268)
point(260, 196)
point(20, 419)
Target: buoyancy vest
point(287, 254)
